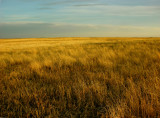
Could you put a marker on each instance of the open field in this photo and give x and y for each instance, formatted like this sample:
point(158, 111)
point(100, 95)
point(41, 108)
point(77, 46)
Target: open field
point(80, 77)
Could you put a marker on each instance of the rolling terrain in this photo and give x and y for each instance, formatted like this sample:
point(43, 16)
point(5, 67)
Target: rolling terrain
point(80, 77)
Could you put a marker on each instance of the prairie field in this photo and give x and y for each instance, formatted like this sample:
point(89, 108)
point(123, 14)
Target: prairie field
point(80, 77)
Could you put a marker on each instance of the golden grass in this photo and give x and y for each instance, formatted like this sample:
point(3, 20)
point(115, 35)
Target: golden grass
point(80, 77)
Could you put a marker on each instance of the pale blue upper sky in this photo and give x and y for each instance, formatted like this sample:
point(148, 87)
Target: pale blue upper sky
point(79, 18)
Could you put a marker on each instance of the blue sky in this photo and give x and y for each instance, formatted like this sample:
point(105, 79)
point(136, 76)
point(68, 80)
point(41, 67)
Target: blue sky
point(79, 18)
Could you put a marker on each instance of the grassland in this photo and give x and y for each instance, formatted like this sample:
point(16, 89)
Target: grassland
point(80, 77)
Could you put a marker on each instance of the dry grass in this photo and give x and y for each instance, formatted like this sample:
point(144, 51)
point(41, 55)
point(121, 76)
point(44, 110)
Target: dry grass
point(80, 77)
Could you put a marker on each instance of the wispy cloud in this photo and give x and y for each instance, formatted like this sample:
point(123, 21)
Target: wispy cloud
point(50, 5)
point(61, 2)
point(45, 8)
point(85, 5)
point(12, 30)
point(19, 17)
point(115, 10)
point(57, 3)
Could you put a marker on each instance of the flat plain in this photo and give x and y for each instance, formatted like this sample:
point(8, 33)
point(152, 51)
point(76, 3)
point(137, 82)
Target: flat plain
point(80, 77)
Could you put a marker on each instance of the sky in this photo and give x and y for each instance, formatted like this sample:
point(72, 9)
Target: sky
point(79, 18)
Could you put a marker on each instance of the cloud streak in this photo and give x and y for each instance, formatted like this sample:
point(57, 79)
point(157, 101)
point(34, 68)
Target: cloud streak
point(39, 18)
point(30, 30)
point(60, 2)
point(115, 10)
point(86, 5)
point(20, 17)
point(45, 8)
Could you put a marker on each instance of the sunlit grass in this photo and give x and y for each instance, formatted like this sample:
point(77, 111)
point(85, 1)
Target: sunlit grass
point(80, 77)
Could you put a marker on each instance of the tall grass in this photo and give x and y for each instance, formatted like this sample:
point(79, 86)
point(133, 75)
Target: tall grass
point(80, 77)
